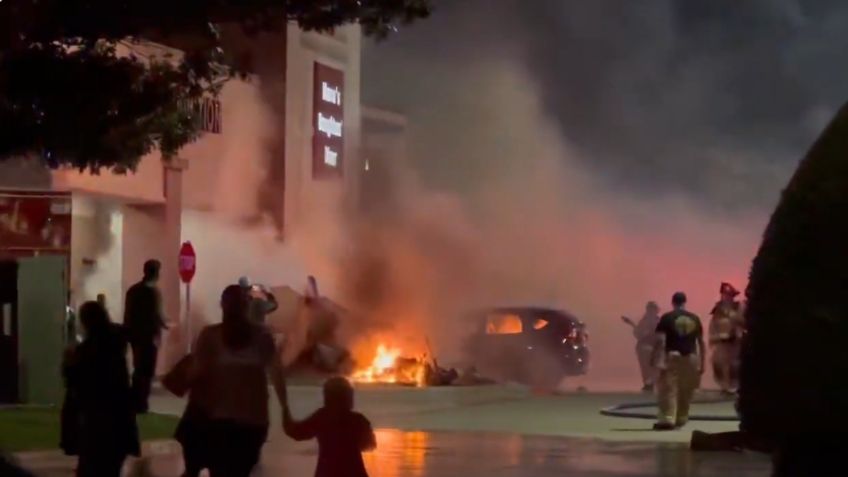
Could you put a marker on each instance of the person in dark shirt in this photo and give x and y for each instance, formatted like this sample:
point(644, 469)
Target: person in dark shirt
point(343, 435)
point(144, 324)
point(679, 355)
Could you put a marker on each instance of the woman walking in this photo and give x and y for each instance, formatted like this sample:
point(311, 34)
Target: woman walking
point(232, 365)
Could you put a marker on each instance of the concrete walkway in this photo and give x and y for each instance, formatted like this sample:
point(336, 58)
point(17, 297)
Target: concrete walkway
point(508, 409)
point(494, 430)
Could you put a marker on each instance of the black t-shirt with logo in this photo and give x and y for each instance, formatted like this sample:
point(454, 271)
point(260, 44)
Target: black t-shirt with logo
point(682, 330)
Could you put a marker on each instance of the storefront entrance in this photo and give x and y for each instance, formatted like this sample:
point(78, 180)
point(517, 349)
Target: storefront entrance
point(8, 332)
point(33, 305)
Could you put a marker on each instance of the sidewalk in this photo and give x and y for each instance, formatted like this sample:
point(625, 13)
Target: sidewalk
point(55, 463)
point(505, 409)
point(476, 421)
point(451, 454)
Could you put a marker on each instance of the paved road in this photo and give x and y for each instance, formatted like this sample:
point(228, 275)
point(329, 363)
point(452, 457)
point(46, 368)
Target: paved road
point(451, 454)
point(506, 409)
point(494, 431)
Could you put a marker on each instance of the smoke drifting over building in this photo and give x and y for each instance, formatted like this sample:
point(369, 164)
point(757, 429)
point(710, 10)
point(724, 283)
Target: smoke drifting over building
point(597, 156)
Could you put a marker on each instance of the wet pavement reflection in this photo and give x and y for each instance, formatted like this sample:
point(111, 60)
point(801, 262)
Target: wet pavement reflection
point(448, 454)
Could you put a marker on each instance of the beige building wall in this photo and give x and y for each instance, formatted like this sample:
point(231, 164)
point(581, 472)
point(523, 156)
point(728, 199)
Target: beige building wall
point(122, 220)
point(309, 200)
point(145, 185)
point(144, 227)
point(97, 245)
point(384, 156)
point(225, 170)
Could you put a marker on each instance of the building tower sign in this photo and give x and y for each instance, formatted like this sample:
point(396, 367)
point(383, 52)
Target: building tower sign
point(328, 123)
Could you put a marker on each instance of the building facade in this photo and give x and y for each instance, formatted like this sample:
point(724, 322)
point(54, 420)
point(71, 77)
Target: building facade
point(384, 156)
point(282, 148)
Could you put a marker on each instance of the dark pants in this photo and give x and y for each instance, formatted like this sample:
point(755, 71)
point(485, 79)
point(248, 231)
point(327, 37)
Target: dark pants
point(192, 462)
point(193, 434)
point(235, 448)
point(144, 367)
point(69, 425)
point(100, 465)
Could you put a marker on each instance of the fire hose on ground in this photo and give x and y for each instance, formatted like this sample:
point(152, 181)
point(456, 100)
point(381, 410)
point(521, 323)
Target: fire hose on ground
point(629, 410)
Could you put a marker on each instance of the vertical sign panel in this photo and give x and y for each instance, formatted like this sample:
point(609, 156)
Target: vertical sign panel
point(328, 122)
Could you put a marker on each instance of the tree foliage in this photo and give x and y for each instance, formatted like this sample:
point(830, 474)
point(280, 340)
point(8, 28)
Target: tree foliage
point(79, 85)
point(795, 357)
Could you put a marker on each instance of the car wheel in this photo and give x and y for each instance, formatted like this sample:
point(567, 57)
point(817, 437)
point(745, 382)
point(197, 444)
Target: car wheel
point(542, 373)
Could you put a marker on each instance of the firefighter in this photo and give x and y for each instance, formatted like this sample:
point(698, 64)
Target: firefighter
point(726, 330)
point(679, 354)
point(645, 333)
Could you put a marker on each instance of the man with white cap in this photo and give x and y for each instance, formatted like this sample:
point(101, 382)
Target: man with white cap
point(262, 302)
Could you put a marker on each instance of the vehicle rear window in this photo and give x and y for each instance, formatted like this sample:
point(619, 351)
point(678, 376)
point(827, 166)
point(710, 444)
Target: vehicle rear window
point(503, 324)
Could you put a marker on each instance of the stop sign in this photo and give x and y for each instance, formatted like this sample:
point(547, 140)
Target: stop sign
point(188, 262)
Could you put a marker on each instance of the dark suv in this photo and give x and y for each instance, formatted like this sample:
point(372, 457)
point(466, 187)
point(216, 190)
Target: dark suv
point(530, 345)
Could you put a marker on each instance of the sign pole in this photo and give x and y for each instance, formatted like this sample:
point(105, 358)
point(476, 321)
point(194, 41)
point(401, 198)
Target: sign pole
point(188, 268)
point(188, 316)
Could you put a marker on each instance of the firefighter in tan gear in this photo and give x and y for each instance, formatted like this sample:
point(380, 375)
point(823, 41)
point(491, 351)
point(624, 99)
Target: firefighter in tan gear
point(679, 354)
point(727, 327)
point(645, 331)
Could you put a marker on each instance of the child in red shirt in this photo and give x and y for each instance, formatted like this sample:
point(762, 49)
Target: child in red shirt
point(342, 433)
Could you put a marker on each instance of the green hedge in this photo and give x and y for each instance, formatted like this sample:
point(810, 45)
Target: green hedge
point(794, 377)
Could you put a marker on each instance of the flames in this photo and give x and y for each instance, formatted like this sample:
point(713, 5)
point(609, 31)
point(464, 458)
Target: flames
point(389, 366)
point(381, 367)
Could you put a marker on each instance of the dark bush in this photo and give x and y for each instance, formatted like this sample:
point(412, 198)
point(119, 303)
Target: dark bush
point(794, 376)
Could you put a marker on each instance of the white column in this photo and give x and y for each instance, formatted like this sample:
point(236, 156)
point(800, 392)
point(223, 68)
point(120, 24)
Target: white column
point(173, 343)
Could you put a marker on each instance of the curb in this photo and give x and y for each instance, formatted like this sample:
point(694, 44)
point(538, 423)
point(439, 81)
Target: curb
point(155, 448)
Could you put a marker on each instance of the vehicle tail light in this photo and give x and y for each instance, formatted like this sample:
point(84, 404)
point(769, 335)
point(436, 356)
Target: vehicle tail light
point(578, 335)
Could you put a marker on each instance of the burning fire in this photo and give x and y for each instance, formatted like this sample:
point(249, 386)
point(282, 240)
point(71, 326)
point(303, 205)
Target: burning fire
point(388, 366)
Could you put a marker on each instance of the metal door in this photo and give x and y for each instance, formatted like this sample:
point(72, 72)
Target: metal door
point(42, 304)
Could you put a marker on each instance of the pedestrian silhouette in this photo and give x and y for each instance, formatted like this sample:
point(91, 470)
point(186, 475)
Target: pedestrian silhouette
point(226, 422)
point(98, 378)
point(343, 435)
point(144, 323)
point(194, 425)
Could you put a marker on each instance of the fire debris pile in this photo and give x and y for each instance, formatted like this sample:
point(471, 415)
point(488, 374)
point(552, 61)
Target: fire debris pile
point(313, 335)
point(388, 366)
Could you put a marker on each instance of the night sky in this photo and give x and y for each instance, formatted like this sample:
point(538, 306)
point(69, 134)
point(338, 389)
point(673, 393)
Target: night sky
point(712, 99)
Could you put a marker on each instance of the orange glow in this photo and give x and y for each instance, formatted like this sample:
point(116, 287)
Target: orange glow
point(503, 325)
point(388, 366)
point(402, 454)
point(414, 451)
point(539, 324)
